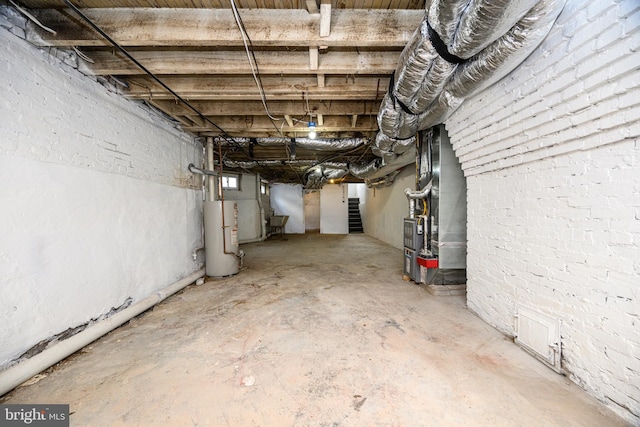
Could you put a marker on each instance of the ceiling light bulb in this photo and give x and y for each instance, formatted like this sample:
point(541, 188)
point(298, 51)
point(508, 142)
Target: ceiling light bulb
point(312, 130)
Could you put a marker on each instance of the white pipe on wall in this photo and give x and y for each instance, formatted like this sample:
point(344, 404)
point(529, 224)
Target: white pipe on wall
point(211, 182)
point(16, 375)
point(263, 222)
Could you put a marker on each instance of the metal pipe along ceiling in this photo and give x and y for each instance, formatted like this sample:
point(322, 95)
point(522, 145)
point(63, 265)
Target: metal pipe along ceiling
point(460, 48)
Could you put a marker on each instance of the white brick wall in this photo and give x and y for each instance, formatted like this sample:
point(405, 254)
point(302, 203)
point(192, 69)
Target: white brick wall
point(96, 205)
point(552, 159)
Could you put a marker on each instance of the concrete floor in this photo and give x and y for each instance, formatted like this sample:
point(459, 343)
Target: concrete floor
point(316, 331)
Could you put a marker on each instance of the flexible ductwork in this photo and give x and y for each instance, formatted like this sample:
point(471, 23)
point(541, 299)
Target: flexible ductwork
point(466, 27)
point(385, 144)
point(377, 169)
point(319, 176)
point(363, 171)
point(253, 163)
point(507, 52)
point(421, 72)
point(394, 121)
point(460, 48)
point(311, 144)
point(387, 156)
point(402, 145)
point(302, 163)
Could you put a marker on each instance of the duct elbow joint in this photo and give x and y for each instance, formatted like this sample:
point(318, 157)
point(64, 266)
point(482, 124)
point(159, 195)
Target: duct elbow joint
point(422, 194)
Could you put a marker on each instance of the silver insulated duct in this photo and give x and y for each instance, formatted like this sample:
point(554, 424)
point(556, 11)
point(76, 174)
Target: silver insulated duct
point(311, 144)
point(460, 48)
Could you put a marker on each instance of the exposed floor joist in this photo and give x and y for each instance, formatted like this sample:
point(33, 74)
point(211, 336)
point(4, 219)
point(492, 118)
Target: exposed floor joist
point(325, 61)
point(235, 62)
point(217, 27)
point(335, 87)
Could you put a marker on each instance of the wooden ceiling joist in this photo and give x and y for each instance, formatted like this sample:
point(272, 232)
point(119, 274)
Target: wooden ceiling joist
point(244, 88)
point(292, 108)
point(226, 4)
point(217, 27)
point(326, 61)
point(215, 62)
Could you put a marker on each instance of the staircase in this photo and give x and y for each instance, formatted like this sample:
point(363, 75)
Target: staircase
point(355, 222)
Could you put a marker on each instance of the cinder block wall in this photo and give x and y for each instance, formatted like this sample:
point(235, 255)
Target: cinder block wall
point(552, 159)
point(97, 209)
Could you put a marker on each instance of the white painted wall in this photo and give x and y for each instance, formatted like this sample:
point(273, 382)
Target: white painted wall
point(385, 208)
point(286, 199)
point(96, 203)
point(356, 190)
point(334, 209)
point(311, 210)
point(552, 159)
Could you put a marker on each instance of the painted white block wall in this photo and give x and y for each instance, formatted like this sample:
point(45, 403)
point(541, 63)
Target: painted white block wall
point(96, 204)
point(286, 199)
point(334, 209)
point(552, 159)
point(384, 209)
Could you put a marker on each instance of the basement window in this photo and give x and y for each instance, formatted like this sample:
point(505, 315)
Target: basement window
point(230, 182)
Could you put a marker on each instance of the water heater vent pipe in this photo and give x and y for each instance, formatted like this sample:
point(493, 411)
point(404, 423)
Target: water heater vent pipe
point(415, 195)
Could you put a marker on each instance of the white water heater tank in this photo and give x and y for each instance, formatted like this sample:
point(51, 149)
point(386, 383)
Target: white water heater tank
point(221, 239)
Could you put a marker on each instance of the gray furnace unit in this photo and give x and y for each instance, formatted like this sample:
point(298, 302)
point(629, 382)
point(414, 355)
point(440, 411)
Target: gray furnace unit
point(435, 232)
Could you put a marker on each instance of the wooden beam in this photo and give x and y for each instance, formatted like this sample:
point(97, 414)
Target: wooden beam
point(216, 27)
point(235, 63)
point(325, 18)
point(320, 120)
point(313, 58)
point(289, 120)
point(321, 82)
point(222, 88)
point(280, 108)
point(354, 120)
point(312, 6)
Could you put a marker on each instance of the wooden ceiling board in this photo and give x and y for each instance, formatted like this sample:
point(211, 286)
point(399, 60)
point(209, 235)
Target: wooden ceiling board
point(326, 61)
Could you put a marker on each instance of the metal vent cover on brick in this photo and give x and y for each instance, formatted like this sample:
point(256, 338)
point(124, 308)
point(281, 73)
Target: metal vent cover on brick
point(539, 334)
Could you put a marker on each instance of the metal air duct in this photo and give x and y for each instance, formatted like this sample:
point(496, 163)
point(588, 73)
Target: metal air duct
point(460, 48)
